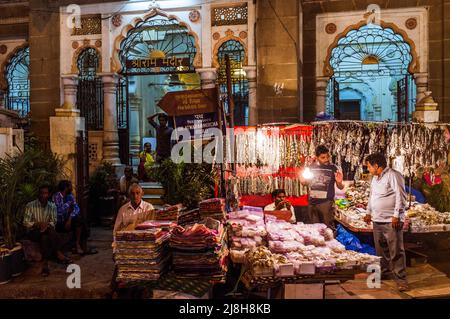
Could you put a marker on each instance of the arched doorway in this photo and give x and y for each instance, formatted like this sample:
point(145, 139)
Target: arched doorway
point(90, 89)
point(235, 50)
point(157, 56)
point(18, 83)
point(371, 79)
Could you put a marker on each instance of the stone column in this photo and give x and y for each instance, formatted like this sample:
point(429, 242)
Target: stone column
point(208, 77)
point(250, 71)
point(66, 126)
point(321, 92)
point(421, 84)
point(70, 87)
point(110, 133)
point(135, 129)
point(2, 99)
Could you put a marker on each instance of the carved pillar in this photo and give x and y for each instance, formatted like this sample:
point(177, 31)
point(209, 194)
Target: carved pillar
point(321, 92)
point(135, 103)
point(421, 84)
point(70, 87)
point(208, 77)
point(110, 133)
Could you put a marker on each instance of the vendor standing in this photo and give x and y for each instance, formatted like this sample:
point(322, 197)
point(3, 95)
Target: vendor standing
point(321, 188)
point(281, 203)
point(386, 211)
point(163, 136)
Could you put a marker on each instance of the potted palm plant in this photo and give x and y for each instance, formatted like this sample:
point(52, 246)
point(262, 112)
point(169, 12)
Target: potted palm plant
point(186, 183)
point(20, 178)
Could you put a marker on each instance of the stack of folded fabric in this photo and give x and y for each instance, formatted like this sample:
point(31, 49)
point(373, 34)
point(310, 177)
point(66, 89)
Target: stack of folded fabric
point(213, 208)
point(199, 251)
point(165, 225)
point(141, 255)
point(187, 218)
point(169, 213)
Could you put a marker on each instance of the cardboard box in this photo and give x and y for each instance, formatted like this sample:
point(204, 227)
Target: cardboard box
point(304, 291)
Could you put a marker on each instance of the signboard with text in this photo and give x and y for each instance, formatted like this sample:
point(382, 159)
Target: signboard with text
point(189, 102)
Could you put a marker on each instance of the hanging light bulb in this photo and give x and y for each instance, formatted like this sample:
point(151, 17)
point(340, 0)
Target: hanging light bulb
point(307, 173)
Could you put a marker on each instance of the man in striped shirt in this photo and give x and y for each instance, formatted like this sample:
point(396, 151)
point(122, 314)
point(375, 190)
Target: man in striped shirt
point(40, 220)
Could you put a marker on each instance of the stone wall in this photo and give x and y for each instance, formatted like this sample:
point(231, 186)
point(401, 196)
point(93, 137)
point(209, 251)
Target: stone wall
point(277, 61)
point(44, 66)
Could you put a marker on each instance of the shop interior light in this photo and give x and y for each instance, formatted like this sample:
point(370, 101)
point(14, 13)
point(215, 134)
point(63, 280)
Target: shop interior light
point(307, 174)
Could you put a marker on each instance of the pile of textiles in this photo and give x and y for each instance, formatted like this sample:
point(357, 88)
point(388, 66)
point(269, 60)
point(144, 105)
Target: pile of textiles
point(213, 208)
point(141, 255)
point(199, 251)
point(165, 225)
point(189, 217)
point(169, 213)
point(247, 230)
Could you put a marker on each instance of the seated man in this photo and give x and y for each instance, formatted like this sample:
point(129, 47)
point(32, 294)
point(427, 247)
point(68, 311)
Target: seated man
point(69, 218)
point(280, 203)
point(146, 161)
point(124, 184)
point(130, 215)
point(40, 220)
point(134, 212)
point(126, 180)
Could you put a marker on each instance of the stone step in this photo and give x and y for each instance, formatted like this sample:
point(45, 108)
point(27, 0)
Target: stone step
point(152, 189)
point(153, 199)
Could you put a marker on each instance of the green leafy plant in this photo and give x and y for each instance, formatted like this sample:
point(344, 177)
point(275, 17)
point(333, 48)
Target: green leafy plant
point(20, 178)
point(102, 181)
point(186, 183)
point(103, 191)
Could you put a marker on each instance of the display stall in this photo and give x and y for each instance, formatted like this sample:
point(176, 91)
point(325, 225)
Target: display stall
point(178, 250)
point(274, 252)
point(268, 158)
point(410, 148)
point(195, 247)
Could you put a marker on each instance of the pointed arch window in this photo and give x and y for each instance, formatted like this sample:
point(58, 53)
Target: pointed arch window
point(17, 77)
point(236, 52)
point(90, 89)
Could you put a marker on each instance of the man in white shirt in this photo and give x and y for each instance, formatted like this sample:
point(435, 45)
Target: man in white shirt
point(386, 210)
point(134, 212)
point(280, 203)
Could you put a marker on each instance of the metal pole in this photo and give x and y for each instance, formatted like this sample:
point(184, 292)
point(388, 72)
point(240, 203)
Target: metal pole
point(229, 90)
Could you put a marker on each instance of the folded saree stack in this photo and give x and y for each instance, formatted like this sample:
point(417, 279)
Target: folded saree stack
point(199, 251)
point(141, 255)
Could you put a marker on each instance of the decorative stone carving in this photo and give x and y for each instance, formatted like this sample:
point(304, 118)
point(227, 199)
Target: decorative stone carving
point(216, 36)
point(116, 20)
point(89, 25)
point(86, 42)
point(75, 45)
point(3, 49)
point(194, 15)
point(229, 15)
point(243, 35)
point(330, 28)
point(411, 23)
point(98, 43)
